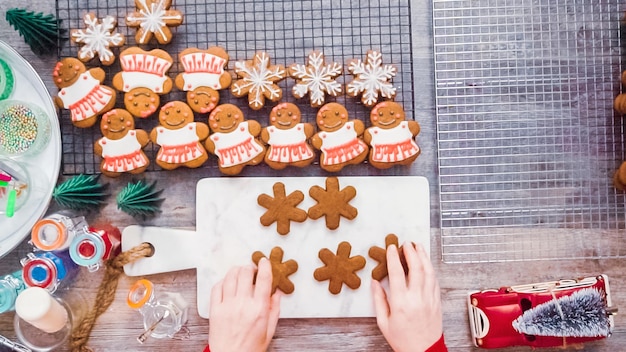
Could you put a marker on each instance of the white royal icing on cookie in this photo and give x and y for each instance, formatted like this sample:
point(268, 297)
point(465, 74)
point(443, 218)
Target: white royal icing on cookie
point(85, 98)
point(287, 146)
point(342, 145)
point(316, 78)
point(124, 154)
point(371, 77)
point(97, 38)
point(144, 71)
point(236, 147)
point(258, 79)
point(152, 18)
point(393, 144)
point(202, 70)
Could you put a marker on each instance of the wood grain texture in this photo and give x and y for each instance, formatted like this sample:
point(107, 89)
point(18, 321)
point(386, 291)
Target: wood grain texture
point(117, 329)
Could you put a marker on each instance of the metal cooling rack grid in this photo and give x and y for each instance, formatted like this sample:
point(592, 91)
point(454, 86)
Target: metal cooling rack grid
point(527, 136)
point(287, 30)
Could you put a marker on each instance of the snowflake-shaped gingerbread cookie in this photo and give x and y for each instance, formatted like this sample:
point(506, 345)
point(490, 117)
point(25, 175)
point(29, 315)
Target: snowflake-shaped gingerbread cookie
point(371, 79)
point(316, 78)
point(97, 39)
point(153, 18)
point(258, 80)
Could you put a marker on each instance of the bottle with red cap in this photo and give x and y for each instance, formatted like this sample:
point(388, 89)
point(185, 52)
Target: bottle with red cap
point(94, 245)
point(47, 269)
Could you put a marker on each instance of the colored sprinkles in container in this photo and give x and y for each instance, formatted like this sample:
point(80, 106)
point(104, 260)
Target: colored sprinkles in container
point(18, 128)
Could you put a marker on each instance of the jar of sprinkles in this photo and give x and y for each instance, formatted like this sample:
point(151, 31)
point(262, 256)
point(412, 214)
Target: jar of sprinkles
point(24, 128)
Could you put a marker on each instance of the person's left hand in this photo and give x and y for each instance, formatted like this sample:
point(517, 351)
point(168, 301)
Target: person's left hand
point(243, 314)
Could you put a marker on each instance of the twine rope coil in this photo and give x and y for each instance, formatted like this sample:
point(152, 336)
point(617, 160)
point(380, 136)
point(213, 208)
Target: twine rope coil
point(106, 294)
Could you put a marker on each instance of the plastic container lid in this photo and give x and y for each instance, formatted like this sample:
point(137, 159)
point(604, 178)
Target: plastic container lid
point(140, 293)
point(87, 249)
point(49, 234)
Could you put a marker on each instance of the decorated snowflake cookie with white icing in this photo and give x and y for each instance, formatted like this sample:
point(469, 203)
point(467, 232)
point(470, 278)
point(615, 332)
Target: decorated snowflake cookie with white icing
point(316, 78)
point(371, 79)
point(258, 80)
point(97, 39)
point(154, 18)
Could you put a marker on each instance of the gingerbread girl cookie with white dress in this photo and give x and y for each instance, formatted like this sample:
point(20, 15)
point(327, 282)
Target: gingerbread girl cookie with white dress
point(233, 139)
point(204, 76)
point(179, 137)
point(121, 148)
point(391, 136)
point(338, 138)
point(81, 91)
point(142, 79)
point(287, 138)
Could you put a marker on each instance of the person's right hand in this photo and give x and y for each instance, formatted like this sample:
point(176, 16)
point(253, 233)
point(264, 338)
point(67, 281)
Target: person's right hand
point(409, 315)
point(243, 314)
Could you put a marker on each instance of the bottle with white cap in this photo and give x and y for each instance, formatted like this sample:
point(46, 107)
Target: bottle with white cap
point(42, 322)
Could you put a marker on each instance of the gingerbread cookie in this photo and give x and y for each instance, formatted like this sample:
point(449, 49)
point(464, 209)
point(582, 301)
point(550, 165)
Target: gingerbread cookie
point(179, 137)
point(332, 203)
point(154, 18)
point(338, 138)
point(339, 268)
point(287, 138)
point(316, 78)
point(234, 139)
point(258, 80)
point(380, 255)
point(81, 91)
point(122, 144)
point(143, 78)
point(391, 136)
point(97, 39)
point(619, 177)
point(282, 208)
point(204, 76)
point(371, 79)
point(280, 270)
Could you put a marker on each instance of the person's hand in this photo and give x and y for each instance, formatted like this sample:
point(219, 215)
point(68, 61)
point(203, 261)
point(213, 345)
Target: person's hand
point(409, 315)
point(243, 315)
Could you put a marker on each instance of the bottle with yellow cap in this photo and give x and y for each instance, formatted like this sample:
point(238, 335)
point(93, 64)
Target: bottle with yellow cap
point(164, 314)
point(56, 231)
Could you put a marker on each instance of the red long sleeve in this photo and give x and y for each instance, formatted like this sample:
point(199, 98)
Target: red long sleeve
point(439, 346)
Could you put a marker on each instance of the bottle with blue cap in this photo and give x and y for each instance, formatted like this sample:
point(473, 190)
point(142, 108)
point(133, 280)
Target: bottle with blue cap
point(10, 287)
point(94, 245)
point(47, 269)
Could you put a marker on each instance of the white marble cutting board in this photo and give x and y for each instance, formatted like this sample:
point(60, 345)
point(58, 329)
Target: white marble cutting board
point(228, 231)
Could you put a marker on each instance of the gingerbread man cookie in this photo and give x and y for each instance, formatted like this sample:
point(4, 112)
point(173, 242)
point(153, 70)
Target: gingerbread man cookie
point(234, 139)
point(339, 268)
point(258, 80)
point(97, 39)
point(316, 78)
point(338, 138)
point(122, 144)
point(391, 136)
point(280, 270)
point(153, 18)
point(287, 138)
point(143, 78)
point(81, 91)
point(179, 137)
point(204, 76)
point(371, 79)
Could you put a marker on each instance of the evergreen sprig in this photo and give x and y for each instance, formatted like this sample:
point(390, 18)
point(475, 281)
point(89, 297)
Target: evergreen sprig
point(81, 192)
point(41, 32)
point(139, 199)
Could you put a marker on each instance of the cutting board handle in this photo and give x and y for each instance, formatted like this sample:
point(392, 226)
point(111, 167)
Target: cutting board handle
point(174, 249)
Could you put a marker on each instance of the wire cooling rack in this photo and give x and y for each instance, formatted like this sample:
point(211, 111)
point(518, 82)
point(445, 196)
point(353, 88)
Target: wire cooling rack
point(527, 137)
point(287, 30)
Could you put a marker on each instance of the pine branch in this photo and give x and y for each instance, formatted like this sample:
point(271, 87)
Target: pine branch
point(41, 32)
point(80, 192)
point(139, 199)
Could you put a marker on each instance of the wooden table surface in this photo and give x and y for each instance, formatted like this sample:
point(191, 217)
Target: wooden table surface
point(118, 328)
